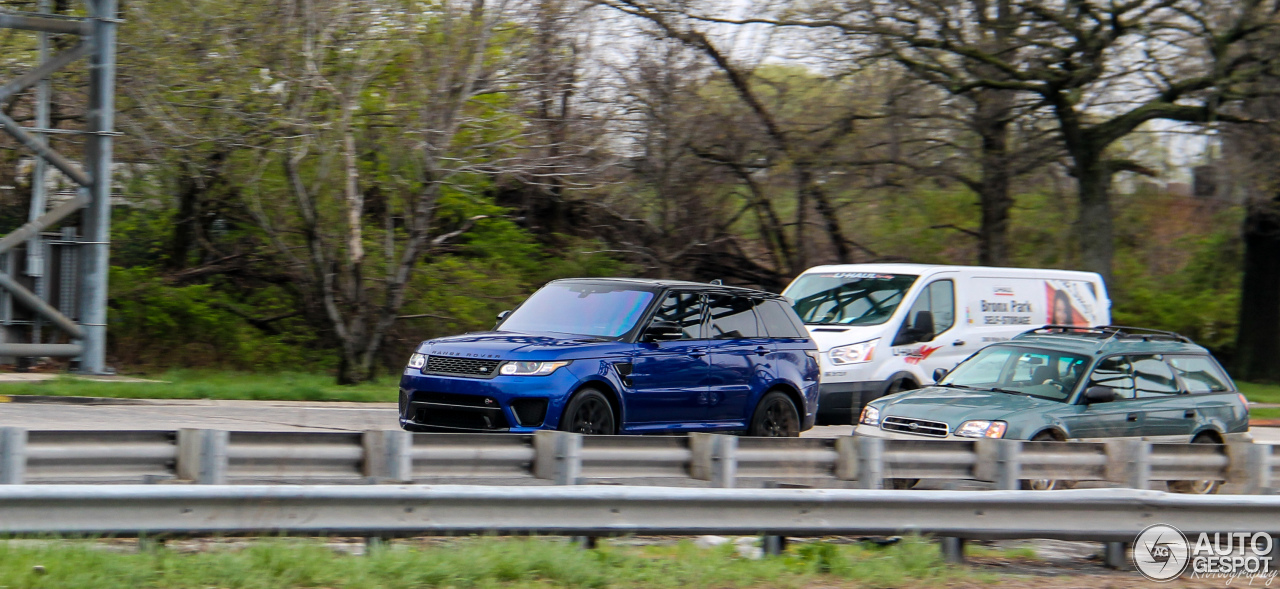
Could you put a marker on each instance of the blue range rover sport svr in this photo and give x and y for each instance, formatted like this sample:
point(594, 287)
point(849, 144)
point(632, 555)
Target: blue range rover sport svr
point(630, 356)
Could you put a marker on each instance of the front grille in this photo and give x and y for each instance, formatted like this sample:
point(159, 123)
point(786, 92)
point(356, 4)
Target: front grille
point(462, 366)
point(919, 427)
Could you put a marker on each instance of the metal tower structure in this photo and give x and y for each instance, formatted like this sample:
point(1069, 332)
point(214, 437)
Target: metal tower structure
point(87, 333)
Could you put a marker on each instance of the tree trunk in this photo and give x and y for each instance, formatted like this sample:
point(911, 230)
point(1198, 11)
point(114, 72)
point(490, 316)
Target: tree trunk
point(992, 124)
point(1258, 338)
point(1094, 220)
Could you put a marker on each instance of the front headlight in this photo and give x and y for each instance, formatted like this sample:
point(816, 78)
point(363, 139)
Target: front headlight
point(853, 353)
point(982, 429)
point(870, 416)
point(417, 361)
point(531, 368)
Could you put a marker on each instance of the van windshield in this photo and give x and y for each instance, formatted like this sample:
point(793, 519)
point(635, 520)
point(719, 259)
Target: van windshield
point(600, 310)
point(848, 298)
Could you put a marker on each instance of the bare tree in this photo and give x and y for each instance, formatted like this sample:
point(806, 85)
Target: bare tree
point(1103, 68)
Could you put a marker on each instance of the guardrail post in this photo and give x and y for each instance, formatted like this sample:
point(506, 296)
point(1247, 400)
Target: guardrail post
point(714, 458)
point(388, 456)
point(1116, 555)
point(1129, 463)
point(870, 452)
point(557, 456)
point(1008, 464)
point(1250, 467)
point(952, 549)
point(13, 455)
point(202, 455)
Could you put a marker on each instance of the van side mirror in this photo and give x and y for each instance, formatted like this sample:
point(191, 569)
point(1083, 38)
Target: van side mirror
point(662, 331)
point(1099, 394)
point(939, 374)
point(504, 314)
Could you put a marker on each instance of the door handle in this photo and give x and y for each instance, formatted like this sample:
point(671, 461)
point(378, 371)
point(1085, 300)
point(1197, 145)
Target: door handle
point(762, 351)
point(1131, 417)
point(697, 353)
point(958, 342)
point(1190, 414)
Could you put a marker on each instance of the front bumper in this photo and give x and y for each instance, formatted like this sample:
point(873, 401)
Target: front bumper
point(840, 403)
point(433, 402)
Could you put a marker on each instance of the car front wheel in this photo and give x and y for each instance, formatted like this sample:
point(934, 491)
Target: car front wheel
point(775, 417)
point(1202, 486)
point(1045, 484)
point(589, 412)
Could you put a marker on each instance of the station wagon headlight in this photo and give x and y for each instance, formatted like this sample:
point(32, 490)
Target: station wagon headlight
point(417, 360)
point(982, 429)
point(853, 353)
point(870, 416)
point(531, 368)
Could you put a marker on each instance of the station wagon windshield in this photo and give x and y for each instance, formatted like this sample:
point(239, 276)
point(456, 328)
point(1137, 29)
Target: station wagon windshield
point(599, 310)
point(1013, 369)
point(848, 298)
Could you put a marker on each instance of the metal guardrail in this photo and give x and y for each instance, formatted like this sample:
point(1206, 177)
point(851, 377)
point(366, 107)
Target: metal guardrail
point(549, 457)
point(1108, 515)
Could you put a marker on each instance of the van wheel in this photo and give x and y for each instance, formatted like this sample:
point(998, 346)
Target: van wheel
point(775, 417)
point(1202, 486)
point(902, 484)
point(589, 412)
point(1045, 484)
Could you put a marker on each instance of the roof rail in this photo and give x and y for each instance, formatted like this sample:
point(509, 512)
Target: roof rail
point(1111, 331)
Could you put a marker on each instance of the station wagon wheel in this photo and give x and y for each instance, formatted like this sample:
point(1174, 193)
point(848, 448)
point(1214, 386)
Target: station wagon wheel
point(1045, 484)
point(1202, 486)
point(775, 417)
point(589, 412)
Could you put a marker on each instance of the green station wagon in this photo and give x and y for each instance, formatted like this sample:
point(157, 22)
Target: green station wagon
point(1072, 383)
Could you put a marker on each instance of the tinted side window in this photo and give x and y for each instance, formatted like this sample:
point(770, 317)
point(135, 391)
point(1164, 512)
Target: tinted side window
point(1153, 376)
point(777, 320)
point(732, 317)
point(1115, 373)
point(939, 299)
point(684, 309)
point(1200, 374)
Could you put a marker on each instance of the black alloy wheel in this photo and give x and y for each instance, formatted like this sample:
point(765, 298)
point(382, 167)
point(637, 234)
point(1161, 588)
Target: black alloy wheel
point(589, 412)
point(776, 417)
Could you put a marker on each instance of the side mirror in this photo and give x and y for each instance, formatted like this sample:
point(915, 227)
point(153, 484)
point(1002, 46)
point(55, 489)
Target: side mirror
point(939, 374)
point(504, 314)
point(662, 331)
point(1099, 394)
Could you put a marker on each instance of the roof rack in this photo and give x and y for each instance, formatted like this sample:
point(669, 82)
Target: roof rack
point(1111, 331)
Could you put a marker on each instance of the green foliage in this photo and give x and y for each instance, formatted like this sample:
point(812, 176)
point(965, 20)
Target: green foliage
point(157, 323)
point(466, 563)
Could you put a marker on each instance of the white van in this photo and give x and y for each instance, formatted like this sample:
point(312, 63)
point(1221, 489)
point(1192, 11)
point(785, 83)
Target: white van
point(882, 328)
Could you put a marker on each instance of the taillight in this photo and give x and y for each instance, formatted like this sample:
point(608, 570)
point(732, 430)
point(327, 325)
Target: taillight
point(1244, 402)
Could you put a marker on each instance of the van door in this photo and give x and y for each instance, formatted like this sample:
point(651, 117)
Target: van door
point(931, 323)
point(669, 379)
point(739, 358)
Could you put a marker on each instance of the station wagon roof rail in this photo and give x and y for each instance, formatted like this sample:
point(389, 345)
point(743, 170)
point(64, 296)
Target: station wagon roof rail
point(1102, 336)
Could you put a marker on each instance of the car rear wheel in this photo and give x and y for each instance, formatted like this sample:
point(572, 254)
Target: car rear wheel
point(775, 417)
point(589, 412)
point(1202, 486)
point(1045, 484)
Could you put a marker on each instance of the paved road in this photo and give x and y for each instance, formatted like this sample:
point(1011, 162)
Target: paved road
point(262, 416)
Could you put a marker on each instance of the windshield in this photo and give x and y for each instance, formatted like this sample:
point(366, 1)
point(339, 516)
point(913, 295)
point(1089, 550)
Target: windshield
point(1040, 373)
point(848, 298)
point(600, 310)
